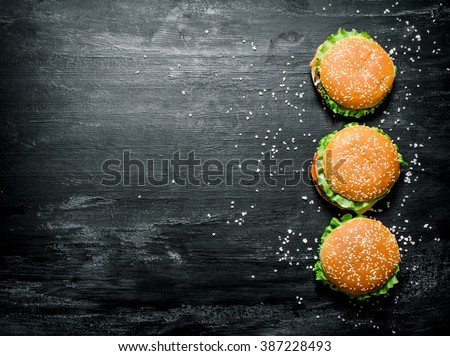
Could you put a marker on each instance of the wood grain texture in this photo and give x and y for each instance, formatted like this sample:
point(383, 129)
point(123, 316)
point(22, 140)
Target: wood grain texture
point(83, 81)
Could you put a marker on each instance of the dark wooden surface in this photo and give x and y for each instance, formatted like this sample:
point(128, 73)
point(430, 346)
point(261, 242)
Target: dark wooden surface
point(77, 257)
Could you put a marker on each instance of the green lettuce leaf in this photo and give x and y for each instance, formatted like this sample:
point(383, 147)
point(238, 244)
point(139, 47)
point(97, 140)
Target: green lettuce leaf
point(321, 276)
point(340, 200)
point(334, 106)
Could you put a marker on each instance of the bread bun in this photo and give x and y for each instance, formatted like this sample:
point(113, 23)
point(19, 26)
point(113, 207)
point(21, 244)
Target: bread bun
point(357, 73)
point(360, 163)
point(352, 73)
point(360, 256)
point(322, 193)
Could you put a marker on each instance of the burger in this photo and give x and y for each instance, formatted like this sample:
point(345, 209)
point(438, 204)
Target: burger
point(355, 167)
point(358, 256)
point(352, 73)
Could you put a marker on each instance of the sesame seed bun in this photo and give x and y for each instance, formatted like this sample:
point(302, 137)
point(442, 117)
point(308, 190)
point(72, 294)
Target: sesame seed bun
point(352, 73)
point(359, 256)
point(323, 195)
point(355, 167)
point(360, 163)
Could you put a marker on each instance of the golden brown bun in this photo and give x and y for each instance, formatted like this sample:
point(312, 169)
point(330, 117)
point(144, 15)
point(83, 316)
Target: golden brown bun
point(360, 163)
point(360, 256)
point(322, 193)
point(356, 72)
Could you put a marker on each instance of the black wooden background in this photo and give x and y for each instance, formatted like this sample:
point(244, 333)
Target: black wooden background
point(82, 81)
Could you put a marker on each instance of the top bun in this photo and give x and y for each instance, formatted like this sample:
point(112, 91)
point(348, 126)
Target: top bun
point(360, 163)
point(356, 72)
point(360, 256)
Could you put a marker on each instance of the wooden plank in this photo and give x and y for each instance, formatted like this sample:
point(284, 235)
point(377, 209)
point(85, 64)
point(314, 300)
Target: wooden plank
point(82, 83)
